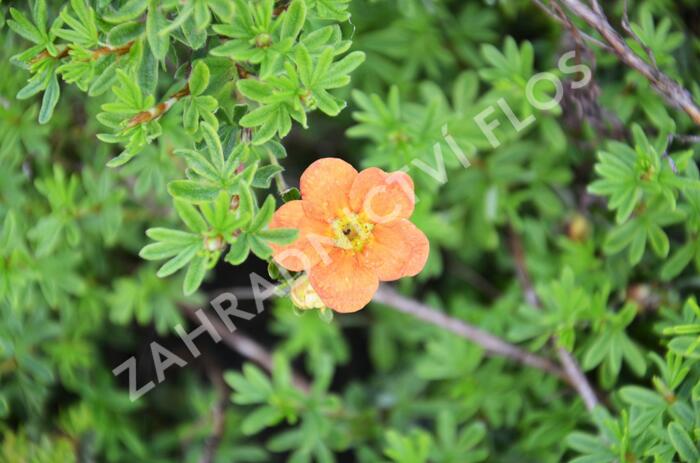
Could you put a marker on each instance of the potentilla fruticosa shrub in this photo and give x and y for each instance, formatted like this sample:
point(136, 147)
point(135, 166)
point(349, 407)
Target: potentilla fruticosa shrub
point(401, 231)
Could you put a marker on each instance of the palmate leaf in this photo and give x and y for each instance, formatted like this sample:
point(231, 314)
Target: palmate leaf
point(304, 87)
point(330, 9)
point(620, 181)
point(24, 27)
point(48, 103)
point(645, 228)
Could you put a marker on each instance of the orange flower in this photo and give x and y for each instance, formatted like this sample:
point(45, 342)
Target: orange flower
point(353, 232)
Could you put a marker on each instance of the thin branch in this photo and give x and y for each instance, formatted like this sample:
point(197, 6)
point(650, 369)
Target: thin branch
point(218, 413)
point(628, 28)
point(248, 348)
point(573, 372)
point(673, 137)
point(557, 17)
point(473, 278)
point(674, 93)
point(158, 110)
point(667, 155)
point(110, 50)
point(280, 182)
point(493, 345)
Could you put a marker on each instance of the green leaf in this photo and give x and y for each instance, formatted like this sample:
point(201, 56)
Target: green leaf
point(658, 240)
point(155, 23)
point(264, 215)
point(199, 163)
point(583, 443)
point(191, 191)
point(682, 443)
point(254, 89)
point(125, 33)
point(596, 351)
point(124, 157)
point(130, 10)
point(190, 216)
point(348, 64)
point(216, 152)
point(48, 103)
point(199, 79)
point(33, 87)
point(238, 251)
point(294, 19)
point(179, 261)
point(264, 175)
point(168, 234)
point(678, 261)
point(195, 275)
point(636, 250)
point(260, 116)
point(260, 419)
point(9, 235)
point(633, 356)
point(280, 235)
point(104, 81)
point(22, 26)
point(304, 65)
point(148, 71)
point(291, 194)
point(160, 250)
point(4, 407)
point(259, 247)
point(641, 397)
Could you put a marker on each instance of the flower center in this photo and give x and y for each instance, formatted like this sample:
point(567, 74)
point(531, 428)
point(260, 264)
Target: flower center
point(263, 40)
point(352, 231)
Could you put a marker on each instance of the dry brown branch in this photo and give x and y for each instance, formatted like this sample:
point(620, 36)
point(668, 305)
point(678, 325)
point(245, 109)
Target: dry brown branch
point(493, 345)
point(248, 348)
point(573, 372)
point(674, 93)
point(218, 414)
point(557, 17)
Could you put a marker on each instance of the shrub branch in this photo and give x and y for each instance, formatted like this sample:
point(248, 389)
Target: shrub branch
point(493, 345)
point(247, 348)
point(573, 371)
point(674, 93)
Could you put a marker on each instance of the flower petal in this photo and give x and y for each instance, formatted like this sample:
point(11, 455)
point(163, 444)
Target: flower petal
point(325, 186)
point(420, 247)
point(312, 244)
point(344, 284)
point(381, 196)
point(397, 249)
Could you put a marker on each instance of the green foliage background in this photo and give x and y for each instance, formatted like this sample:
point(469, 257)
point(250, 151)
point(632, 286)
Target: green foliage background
point(141, 149)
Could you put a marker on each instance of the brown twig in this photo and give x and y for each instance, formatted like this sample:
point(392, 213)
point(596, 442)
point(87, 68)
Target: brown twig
point(110, 50)
point(473, 278)
point(562, 20)
point(94, 54)
point(218, 413)
point(493, 345)
point(674, 93)
point(158, 110)
point(45, 54)
point(248, 348)
point(691, 139)
point(628, 28)
point(573, 372)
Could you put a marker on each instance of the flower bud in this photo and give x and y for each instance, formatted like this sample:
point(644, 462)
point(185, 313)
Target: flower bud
point(303, 294)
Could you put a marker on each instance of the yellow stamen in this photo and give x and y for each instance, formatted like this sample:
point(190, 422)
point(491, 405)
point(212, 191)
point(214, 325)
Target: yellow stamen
point(352, 231)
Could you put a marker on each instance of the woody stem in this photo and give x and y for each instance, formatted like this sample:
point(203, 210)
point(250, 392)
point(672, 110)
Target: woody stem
point(279, 178)
point(158, 110)
point(247, 347)
point(493, 345)
point(573, 371)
